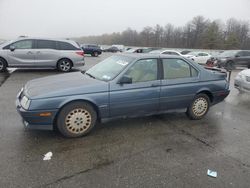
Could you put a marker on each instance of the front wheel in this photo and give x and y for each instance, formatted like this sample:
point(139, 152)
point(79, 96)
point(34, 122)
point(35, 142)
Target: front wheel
point(3, 65)
point(76, 119)
point(64, 65)
point(199, 107)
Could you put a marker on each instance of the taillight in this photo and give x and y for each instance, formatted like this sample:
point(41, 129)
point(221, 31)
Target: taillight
point(81, 53)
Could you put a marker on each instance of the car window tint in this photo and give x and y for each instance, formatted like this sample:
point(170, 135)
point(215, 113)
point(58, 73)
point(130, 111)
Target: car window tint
point(23, 44)
point(46, 44)
point(143, 70)
point(177, 68)
point(246, 53)
point(168, 53)
point(66, 46)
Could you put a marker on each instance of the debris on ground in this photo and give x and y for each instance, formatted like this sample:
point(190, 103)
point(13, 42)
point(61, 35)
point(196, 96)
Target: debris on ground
point(47, 156)
point(212, 173)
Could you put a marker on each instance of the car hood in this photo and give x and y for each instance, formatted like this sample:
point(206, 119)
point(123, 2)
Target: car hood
point(63, 85)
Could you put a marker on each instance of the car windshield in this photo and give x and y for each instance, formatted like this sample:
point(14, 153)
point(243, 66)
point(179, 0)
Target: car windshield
point(229, 53)
point(109, 68)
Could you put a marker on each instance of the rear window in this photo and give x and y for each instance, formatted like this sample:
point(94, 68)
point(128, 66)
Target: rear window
point(46, 44)
point(66, 46)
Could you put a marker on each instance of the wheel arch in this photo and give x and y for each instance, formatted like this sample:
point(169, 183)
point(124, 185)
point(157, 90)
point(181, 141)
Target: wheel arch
point(208, 93)
point(4, 60)
point(66, 59)
point(76, 100)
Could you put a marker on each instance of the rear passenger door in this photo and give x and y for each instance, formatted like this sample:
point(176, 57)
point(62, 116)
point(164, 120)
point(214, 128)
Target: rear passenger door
point(46, 53)
point(179, 84)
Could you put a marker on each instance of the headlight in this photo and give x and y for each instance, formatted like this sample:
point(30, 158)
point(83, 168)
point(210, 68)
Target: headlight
point(223, 59)
point(25, 102)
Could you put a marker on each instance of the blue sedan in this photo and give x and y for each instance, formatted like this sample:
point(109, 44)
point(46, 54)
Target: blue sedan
point(125, 85)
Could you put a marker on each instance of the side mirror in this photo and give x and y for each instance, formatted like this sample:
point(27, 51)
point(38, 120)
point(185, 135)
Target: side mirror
point(237, 55)
point(12, 48)
point(125, 80)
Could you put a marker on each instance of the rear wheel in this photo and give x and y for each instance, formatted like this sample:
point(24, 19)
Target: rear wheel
point(76, 119)
point(3, 65)
point(95, 54)
point(199, 107)
point(64, 65)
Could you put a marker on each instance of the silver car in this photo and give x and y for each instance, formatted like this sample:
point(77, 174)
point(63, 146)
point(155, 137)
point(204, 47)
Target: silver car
point(242, 81)
point(41, 53)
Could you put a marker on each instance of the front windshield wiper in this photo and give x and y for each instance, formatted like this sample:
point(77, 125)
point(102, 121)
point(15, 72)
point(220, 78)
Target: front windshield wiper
point(90, 75)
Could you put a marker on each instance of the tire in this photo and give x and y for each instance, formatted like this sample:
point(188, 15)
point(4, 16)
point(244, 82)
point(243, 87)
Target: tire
point(199, 107)
point(229, 66)
point(76, 119)
point(95, 54)
point(3, 65)
point(64, 65)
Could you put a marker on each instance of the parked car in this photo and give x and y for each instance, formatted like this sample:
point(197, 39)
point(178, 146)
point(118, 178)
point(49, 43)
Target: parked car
point(125, 85)
point(119, 46)
point(112, 49)
point(214, 56)
point(139, 50)
point(184, 52)
point(198, 57)
point(166, 52)
point(93, 50)
point(242, 81)
point(41, 53)
point(231, 59)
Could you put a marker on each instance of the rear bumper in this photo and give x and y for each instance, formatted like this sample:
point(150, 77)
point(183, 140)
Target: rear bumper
point(34, 120)
point(79, 63)
point(220, 96)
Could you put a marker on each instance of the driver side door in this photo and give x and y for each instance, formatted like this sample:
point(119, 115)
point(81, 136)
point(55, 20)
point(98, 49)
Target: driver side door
point(141, 97)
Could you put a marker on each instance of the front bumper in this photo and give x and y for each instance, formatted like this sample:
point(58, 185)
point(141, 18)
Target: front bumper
point(241, 84)
point(34, 120)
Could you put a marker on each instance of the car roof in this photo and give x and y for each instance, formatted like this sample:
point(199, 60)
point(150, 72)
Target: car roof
point(40, 38)
point(148, 55)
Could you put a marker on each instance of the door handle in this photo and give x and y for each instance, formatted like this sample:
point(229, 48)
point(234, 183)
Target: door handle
point(155, 85)
point(29, 52)
point(38, 52)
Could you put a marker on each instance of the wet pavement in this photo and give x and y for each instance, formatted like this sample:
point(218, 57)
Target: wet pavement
point(159, 151)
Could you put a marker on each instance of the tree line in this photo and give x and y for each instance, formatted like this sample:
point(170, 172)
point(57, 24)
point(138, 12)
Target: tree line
point(197, 33)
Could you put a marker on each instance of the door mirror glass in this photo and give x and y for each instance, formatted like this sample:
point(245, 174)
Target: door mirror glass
point(125, 80)
point(12, 48)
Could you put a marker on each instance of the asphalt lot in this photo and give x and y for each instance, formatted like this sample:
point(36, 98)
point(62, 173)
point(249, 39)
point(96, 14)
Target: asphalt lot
point(160, 151)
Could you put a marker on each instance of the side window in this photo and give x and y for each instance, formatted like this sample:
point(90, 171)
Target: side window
point(177, 68)
point(174, 53)
point(168, 53)
point(23, 44)
point(143, 70)
point(246, 53)
point(240, 54)
point(66, 46)
point(46, 44)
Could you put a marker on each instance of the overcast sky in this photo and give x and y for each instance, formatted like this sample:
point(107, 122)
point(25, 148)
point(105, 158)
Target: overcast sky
point(74, 18)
